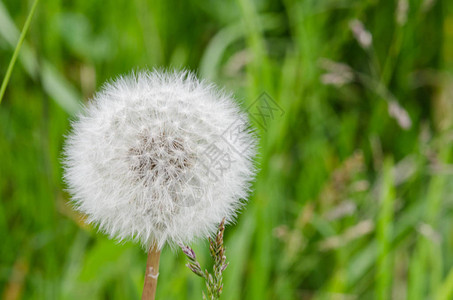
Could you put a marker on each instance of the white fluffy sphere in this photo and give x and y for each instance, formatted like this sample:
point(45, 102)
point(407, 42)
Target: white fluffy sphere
point(159, 157)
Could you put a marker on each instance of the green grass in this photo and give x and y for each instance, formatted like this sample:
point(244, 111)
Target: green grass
point(347, 204)
point(17, 50)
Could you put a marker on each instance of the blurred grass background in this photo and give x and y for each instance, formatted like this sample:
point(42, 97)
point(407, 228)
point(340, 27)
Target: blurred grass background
point(353, 197)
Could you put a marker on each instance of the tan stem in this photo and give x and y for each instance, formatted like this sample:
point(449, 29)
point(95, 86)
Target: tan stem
point(152, 271)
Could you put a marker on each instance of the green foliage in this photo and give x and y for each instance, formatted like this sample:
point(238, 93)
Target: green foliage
point(352, 198)
point(214, 285)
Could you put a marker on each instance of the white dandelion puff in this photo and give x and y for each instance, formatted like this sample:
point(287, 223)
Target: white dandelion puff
point(139, 160)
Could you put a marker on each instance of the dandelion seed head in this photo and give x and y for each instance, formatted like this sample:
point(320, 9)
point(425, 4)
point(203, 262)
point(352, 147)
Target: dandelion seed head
point(136, 163)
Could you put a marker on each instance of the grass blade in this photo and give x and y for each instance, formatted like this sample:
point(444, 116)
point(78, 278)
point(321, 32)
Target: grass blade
point(385, 234)
point(17, 50)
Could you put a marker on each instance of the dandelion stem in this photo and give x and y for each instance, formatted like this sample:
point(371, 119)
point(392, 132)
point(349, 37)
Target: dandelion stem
point(151, 274)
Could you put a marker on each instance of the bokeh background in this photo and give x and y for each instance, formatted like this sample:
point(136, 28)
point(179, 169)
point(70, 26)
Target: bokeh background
point(353, 197)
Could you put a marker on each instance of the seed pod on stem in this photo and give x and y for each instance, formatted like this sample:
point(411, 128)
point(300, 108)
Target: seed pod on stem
point(159, 157)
